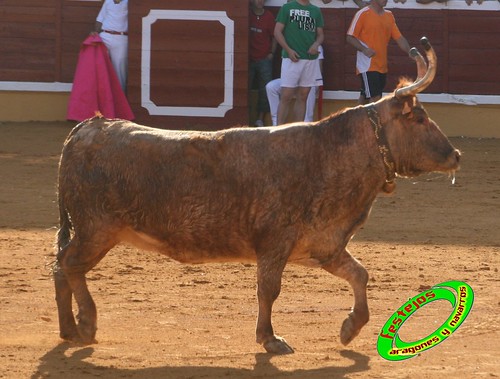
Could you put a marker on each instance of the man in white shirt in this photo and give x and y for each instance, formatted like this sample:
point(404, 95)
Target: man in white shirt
point(112, 26)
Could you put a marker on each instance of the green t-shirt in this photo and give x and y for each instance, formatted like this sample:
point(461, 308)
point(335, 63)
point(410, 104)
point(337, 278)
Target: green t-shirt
point(300, 27)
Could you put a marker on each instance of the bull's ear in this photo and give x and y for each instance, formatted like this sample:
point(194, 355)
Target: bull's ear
point(406, 108)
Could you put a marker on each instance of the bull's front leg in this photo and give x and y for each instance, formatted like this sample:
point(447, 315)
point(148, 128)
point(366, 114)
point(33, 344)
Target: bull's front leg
point(269, 273)
point(348, 268)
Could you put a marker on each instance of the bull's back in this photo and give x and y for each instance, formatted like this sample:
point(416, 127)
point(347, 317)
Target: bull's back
point(170, 191)
point(122, 162)
point(195, 195)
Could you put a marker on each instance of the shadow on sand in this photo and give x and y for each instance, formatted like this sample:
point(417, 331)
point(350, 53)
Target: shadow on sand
point(56, 365)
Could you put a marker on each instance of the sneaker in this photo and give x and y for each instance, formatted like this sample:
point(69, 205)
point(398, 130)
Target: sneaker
point(259, 123)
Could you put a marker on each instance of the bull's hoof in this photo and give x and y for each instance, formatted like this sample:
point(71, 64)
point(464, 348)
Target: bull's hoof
point(68, 330)
point(70, 336)
point(86, 334)
point(86, 341)
point(77, 339)
point(278, 346)
point(349, 330)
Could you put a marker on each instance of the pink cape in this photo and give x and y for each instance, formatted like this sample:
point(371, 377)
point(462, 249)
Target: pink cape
point(96, 87)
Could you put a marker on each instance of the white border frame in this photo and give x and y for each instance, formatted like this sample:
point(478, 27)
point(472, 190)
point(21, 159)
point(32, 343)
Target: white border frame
point(36, 86)
point(439, 98)
point(159, 14)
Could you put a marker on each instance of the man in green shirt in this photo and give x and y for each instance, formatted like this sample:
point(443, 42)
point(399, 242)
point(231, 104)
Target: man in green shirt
point(299, 31)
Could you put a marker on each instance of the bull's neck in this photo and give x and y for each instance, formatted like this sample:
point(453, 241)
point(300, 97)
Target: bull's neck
point(383, 148)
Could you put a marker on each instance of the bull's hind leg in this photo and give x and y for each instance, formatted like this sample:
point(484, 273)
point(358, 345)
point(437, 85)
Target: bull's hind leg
point(348, 268)
point(75, 260)
point(67, 324)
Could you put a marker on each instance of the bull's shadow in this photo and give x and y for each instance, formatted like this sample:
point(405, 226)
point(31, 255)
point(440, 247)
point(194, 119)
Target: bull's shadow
point(57, 365)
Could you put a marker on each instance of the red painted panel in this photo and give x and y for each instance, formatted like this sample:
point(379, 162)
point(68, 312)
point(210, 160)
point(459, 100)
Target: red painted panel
point(184, 73)
point(187, 63)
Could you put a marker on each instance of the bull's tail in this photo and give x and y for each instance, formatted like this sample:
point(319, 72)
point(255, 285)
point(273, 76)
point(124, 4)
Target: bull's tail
point(65, 226)
point(63, 236)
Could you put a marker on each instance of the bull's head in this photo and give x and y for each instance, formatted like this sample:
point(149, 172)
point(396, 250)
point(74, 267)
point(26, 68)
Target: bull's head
point(415, 141)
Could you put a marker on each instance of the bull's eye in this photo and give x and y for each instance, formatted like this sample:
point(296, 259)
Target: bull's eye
point(420, 120)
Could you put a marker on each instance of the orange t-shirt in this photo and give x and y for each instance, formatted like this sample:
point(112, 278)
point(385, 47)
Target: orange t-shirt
point(374, 31)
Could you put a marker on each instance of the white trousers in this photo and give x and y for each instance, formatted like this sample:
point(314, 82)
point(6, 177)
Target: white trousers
point(118, 50)
point(273, 90)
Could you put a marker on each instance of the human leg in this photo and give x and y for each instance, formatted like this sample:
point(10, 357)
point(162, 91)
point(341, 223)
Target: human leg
point(290, 74)
point(310, 104)
point(264, 77)
point(372, 86)
point(118, 49)
point(311, 78)
point(287, 95)
point(252, 74)
point(300, 103)
point(273, 90)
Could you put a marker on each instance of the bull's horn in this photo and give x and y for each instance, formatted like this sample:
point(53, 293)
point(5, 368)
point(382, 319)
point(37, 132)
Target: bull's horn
point(421, 65)
point(421, 83)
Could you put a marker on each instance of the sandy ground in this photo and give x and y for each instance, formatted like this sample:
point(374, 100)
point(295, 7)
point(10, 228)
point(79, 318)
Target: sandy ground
point(161, 319)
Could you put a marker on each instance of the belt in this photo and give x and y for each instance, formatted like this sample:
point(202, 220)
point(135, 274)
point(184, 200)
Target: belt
point(116, 33)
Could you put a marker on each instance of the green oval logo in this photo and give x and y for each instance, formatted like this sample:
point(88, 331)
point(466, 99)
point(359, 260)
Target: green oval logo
point(460, 296)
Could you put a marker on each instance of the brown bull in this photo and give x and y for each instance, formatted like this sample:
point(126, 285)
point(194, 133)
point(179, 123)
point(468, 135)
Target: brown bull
point(291, 194)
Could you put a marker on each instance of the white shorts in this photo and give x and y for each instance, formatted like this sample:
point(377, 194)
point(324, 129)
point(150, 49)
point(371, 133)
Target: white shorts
point(304, 73)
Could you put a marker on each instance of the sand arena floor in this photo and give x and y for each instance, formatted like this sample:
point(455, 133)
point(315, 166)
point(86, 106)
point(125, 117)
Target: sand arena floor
point(161, 319)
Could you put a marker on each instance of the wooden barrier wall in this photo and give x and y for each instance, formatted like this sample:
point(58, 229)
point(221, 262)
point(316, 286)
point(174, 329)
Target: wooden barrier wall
point(466, 43)
point(189, 63)
point(40, 41)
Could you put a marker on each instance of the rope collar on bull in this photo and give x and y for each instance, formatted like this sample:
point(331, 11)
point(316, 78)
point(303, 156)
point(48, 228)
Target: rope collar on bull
point(383, 148)
point(425, 76)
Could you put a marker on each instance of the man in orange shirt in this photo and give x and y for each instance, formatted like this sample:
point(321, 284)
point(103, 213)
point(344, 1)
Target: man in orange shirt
point(370, 33)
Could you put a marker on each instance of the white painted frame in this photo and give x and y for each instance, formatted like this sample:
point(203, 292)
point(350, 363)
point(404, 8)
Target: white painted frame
point(161, 14)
